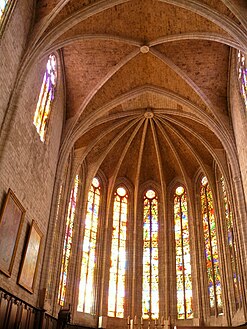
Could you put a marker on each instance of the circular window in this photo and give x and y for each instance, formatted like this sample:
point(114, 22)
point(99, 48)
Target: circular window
point(121, 191)
point(95, 182)
point(150, 194)
point(204, 181)
point(179, 190)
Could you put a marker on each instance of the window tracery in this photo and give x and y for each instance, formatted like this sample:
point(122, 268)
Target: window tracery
point(117, 280)
point(150, 276)
point(182, 251)
point(87, 276)
point(46, 97)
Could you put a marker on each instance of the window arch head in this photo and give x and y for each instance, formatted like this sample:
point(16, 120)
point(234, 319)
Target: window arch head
point(242, 76)
point(46, 97)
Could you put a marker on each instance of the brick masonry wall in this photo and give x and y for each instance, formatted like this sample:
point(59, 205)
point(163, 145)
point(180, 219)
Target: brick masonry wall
point(12, 46)
point(28, 167)
point(239, 120)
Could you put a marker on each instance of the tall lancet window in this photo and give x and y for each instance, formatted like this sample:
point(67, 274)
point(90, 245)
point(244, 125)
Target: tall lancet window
point(231, 244)
point(67, 242)
point(150, 276)
point(183, 265)
point(46, 97)
point(118, 255)
point(211, 249)
point(87, 277)
point(242, 75)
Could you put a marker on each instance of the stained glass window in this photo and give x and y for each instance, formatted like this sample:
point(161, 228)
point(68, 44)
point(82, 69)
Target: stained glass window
point(231, 243)
point(46, 97)
point(150, 276)
point(242, 75)
point(3, 6)
point(183, 265)
point(118, 255)
point(86, 287)
point(67, 242)
point(211, 249)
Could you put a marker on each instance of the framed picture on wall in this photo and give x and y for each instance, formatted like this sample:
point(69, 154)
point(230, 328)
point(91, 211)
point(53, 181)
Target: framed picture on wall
point(11, 221)
point(28, 269)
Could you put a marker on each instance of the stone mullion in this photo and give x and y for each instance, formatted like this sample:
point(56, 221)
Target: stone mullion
point(99, 249)
point(171, 298)
point(196, 266)
point(105, 256)
point(202, 279)
point(162, 252)
point(129, 241)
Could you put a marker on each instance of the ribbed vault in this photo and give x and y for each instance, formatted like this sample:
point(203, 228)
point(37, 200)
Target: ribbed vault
point(146, 83)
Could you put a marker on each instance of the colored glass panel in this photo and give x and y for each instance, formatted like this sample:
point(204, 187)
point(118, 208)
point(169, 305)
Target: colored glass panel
point(211, 249)
point(242, 75)
point(46, 97)
point(86, 286)
point(150, 276)
point(67, 242)
point(231, 243)
point(3, 7)
point(182, 249)
point(117, 280)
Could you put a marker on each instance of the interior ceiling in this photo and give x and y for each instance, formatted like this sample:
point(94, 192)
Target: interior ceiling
point(146, 82)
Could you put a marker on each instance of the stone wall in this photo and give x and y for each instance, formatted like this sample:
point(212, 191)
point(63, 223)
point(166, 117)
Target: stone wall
point(12, 46)
point(27, 165)
point(239, 121)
